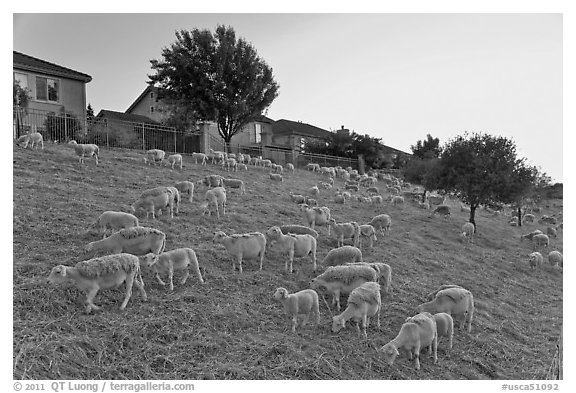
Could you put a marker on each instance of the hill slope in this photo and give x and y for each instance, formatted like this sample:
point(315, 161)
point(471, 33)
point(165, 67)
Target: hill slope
point(231, 328)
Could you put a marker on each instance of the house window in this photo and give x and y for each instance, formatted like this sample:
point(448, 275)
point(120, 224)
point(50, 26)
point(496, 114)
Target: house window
point(256, 137)
point(151, 109)
point(47, 89)
point(22, 80)
point(152, 94)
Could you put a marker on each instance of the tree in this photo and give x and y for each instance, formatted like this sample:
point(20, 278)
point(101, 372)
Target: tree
point(20, 100)
point(423, 167)
point(89, 113)
point(217, 77)
point(483, 169)
point(427, 149)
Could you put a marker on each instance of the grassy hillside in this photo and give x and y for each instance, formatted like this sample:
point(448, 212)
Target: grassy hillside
point(231, 328)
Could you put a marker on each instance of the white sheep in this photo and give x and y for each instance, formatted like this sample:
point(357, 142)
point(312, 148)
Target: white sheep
point(313, 191)
point(345, 230)
point(33, 138)
point(85, 150)
point(303, 304)
point(530, 235)
point(230, 164)
point(290, 167)
point(240, 246)
point(343, 279)
point(444, 325)
point(216, 156)
point(363, 303)
point(235, 183)
point(212, 181)
point(547, 220)
point(420, 333)
point(367, 231)
point(313, 167)
point(551, 232)
point(266, 163)
point(376, 199)
point(293, 245)
point(297, 198)
point(528, 218)
point(136, 240)
point(169, 261)
point(382, 223)
point(397, 200)
point(154, 156)
point(215, 197)
point(540, 240)
point(107, 272)
point(339, 199)
point(342, 255)
point(276, 168)
point(186, 187)
point(455, 301)
point(298, 230)
point(535, 260)
point(318, 216)
point(384, 272)
point(443, 210)
point(174, 159)
point(276, 177)
point(199, 157)
point(114, 221)
point(555, 258)
point(157, 199)
point(242, 167)
point(468, 230)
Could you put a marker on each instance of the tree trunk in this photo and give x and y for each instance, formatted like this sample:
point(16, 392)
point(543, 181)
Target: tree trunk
point(227, 146)
point(519, 216)
point(472, 214)
point(424, 196)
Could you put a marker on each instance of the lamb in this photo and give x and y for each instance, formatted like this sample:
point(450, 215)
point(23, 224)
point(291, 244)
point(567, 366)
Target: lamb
point(240, 246)
point(137, 241)
point(157, 199)
point(397, 201)
point(444, 325)
point(276, 177)
point(290, 167)
point(303, 303)
point(178, 259)
point(367, 231)
point(297, 198)
point(294, 245)
point(535, 259)
point(217, 198)
point(174, 159)
point(186, 187)
point(528, 218)
point(468, 230)
point(530, 235)
point(455, 301)
point(382, 223)
point(342, 255)
point(343, 279)
point(212, 181)
point(114, 221)
point(87, 150)
point(420, 332)
point(154, 156)
point(298, 230)
point(443, 210)
point(106, 272)
point(235, 183)
point(313, 191)
point(555, 258)
point(318, 216)
point(540, 240)
point(199, 156)
point(363, 303)
point(33, 138)
point(345, 230)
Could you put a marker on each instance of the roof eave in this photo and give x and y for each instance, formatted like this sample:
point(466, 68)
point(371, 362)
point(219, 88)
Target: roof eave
point(82, 77)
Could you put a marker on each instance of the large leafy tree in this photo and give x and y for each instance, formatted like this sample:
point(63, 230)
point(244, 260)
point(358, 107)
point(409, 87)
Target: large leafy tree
point(423, 167)
point(427, 149)
point(215, 76)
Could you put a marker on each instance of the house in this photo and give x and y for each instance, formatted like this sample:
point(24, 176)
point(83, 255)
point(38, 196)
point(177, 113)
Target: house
point(294, 135)
point(52, 88)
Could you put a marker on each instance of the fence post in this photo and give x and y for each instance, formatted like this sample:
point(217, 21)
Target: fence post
point(107, 136)
point(175, 151)
point(143, 144)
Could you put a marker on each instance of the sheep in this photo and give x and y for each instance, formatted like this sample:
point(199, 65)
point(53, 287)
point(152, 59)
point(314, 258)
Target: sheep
point(372, 190)
point(325, 186)
point(156, 199)
point(154, 156)
point(298, 230)
point(33, 138)
point(343, 279)
point(376, 199)
point(444, 325)
point(547, 220)
point(313, 167)
point(277, 168)
point(311, 201)
point(540, 240)
point(217, 197)
point(384, 273)
point(513, 221)
point(397, 201)
point(345, 230)
point(351, 187)
point(137, 241)
point(530, 235)
point(242, 167)
point(294, 245)
point(535, 259)
point(363, 303)
point(464, 208)
point(555, 258)
point(468, 232)
point(216, 156)
point(87, 150)
point(432, 294)
point(266, 163)
point(174, 159)
point(339, 199)
point(551, 232)
point(528, 218)
point(231, 164)
point(107, 272)
point(178, 259)
point(212, 181)
point(186, 187)
point(199, 156)
point(382, 223)
point(276, 177)
point(342, 255)
point(297, 198)
point(455, 301)
point(115, 221)
point(318, 216)
point(420, 332)
point(240, 246)
point(424, 205)
point(290, 167)
point(313, 191)
point(367, 231)
point(303, 303)
point(235, 183)
point(443, 210)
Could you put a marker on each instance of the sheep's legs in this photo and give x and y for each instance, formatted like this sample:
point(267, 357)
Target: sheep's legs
point(140, 285)
point(186, 274)
point(129, 283)
point(159, 279)
point(90, 300)
point(171, 277)
point(262, 259)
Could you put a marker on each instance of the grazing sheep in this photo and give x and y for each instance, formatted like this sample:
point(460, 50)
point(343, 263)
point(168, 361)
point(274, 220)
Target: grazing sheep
point(231, 164)
point(367, 231)
point(530, 235)
point(455, 301)
point(444, 325)
point(343, 279)
point(547, 220)
point(212, 181)
point(313, 167)
point(154, 156)
point(199, 157)
point(313, 191)
point(137, 241)
point(382, 223)
point(345, 230)
point(276, 168)
point(83, 150)
point(311, 201)
point(297, 198)
point(432, 295)
point(240, 246)
point(169, 261)
point(550, 231)
point(528, 218)
point(339, 199)
point(266, 163)
point(276, 177)
point(214, 197)
point(107, 272)
point(114, 221)
point(294, 245)
point(540, 240)
point(318, 216)
point(298, 230)
point(351, 187)
point(235, 183)
point(174, 159)
point(342, 255)
point(290, 167)
point(33, 138)
point(325, 186)
point(372, 190)
point(376, 199)
point(397, 201)
point(443, 210)
point(216, 156)
point(555, 258)
point(363, 303)
point(535, 260)
point(384, 272)
point(157, 199)
point(303, 304)
point(186, 187)
point(420, 332)
point(468, 232)
point(242, 167)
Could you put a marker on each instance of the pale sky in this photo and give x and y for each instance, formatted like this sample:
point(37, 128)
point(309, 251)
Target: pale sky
point(393, 76)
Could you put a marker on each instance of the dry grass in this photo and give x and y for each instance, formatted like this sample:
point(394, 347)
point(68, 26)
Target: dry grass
point(231, 328)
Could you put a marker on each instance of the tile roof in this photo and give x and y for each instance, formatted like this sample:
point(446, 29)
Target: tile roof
point(29, 63)
point(121, 116)
point(284, 126)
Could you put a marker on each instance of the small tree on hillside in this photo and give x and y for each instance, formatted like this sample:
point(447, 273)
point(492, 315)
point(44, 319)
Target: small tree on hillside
point(423, 166)
point(427, 149)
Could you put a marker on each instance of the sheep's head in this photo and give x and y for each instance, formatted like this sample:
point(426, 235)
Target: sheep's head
point(425, 307)
point(280, 294)
point(72, 142)
point(273, 233)
point(57, 275)
point(219, 236)
point(390, 352)
point(338, 324)
point(149, 259)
